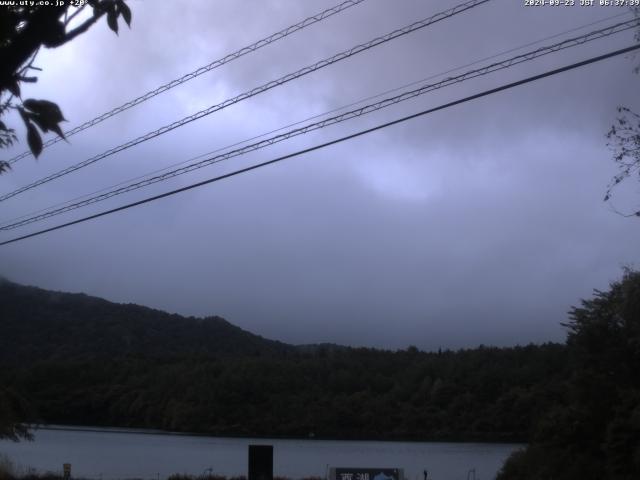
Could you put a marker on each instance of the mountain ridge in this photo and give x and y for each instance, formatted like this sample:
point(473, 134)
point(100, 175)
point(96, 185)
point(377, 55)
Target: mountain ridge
point(39, 323)
point(81, 360)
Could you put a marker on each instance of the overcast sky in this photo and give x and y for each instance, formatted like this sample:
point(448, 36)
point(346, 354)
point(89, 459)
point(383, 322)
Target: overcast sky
point(482, 223)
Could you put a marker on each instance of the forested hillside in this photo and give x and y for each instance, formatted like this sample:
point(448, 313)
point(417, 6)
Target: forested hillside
point(40, 325)
point(83, 360)
point(74, 359)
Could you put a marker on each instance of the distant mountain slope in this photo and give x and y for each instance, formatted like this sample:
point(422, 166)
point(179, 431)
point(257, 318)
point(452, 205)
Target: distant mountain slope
point(80, 360)
point(37, 325)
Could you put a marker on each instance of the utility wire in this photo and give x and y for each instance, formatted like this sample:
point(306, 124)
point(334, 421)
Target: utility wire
point(255, 91)
point(525, 57)
point(313, 117)
point(332, 142)
point(196, 73)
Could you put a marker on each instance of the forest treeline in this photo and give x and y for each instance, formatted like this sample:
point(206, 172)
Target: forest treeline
point(483, 394)
point(85, 361)
point(592, 430)
point(79, 360)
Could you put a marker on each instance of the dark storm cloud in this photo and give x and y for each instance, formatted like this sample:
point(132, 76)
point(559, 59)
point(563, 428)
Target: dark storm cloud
point(479, 224)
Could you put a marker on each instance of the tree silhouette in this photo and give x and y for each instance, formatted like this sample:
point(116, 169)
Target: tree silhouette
point(624, 141)
point(593, 431)
point(23, 31)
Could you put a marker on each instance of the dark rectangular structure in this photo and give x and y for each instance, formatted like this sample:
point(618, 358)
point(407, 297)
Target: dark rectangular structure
point(260, 462)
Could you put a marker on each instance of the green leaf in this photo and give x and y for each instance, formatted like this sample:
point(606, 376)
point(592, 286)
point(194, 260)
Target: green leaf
point(44, 125)
point(56, 128)
point(34, 140)
point(112, 20)
point(49, 110)
point(125, 11)
point(39, 121)
point(45, 114)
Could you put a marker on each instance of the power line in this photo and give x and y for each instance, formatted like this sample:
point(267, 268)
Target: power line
point(313, 117)
point(199, 71)
point(333, 120)
point(255, 91)
point(516, 60)
point(332, 142)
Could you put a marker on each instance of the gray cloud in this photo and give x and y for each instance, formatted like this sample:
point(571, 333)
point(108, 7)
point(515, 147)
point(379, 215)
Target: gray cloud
point(479, 224)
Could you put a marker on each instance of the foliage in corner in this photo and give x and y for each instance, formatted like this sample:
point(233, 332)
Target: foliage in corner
point(624, 141)
point(24, 29)
point(593, 430)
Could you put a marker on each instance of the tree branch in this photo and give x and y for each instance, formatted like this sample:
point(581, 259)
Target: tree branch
point(72, 16)
point(81, 28)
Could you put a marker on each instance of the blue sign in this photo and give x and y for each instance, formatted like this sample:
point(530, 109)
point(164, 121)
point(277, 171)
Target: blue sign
point(368, 474)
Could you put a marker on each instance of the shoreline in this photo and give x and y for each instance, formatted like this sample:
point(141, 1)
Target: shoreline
point(145, 431)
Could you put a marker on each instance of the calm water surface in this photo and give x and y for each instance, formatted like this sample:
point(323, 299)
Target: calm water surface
point(106, 454)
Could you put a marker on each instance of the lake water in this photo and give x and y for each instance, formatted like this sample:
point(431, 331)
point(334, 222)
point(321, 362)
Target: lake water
point(108, 454)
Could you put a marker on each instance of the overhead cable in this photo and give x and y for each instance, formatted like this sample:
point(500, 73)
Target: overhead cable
point(494, 67)
point(315, 116)
point(332, 142)
point(255, 91)
point(199, 71)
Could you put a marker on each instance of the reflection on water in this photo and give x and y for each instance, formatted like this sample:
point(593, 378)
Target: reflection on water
point(107, 454)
